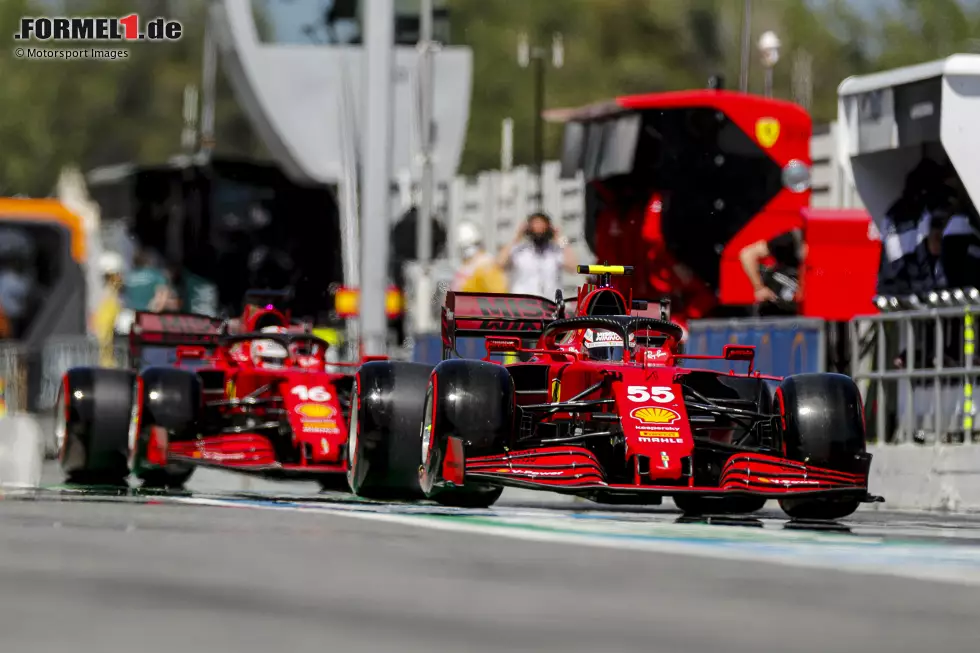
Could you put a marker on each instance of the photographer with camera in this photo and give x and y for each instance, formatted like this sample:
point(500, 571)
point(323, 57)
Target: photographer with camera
point(536, 257)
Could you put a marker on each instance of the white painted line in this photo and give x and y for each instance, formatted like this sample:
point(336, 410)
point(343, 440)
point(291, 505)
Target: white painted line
point(887, 560)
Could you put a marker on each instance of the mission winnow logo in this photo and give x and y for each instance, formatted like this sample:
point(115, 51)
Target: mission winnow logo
point(126, 28)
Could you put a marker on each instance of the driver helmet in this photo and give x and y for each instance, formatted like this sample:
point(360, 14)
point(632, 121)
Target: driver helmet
point(269, 354)
point(603, 345)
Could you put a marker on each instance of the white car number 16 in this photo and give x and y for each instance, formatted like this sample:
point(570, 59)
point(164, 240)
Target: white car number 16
point(657, 393)
point(317, 393)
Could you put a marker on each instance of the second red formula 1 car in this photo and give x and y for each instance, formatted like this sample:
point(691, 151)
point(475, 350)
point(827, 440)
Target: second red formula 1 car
point(604, 406)
point(254, 395)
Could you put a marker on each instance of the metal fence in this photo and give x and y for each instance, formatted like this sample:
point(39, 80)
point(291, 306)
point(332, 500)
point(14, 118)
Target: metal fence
point(30, 378)
point(917, 370)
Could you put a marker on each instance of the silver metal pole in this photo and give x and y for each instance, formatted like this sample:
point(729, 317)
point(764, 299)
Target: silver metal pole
point(743, 78)
point(209, 71)
point(423, 225)
point(379, 33)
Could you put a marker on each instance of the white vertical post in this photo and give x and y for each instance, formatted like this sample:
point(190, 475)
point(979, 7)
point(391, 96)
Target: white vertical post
point(507, 145)
point(209, 71)
point(379, 24)
point(743, 78)
point(423, 293)
point(189, 132)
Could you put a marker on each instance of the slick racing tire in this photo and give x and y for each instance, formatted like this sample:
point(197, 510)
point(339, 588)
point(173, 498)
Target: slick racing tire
point(387, 401)
point(170, 400)
point(741, 505)
point(824, 427)
point(472, 401)
point(92, 425)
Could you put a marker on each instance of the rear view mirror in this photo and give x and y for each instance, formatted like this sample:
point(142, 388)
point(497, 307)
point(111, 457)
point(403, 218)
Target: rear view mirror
point(738, 352)
point(640, 304)
point(501, 344)
point(191, 353)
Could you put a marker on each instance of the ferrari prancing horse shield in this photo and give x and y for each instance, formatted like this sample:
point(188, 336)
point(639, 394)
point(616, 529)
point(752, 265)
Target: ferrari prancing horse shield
point(767, 131)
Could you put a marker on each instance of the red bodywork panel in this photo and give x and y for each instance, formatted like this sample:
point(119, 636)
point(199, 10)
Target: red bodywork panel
point(638, 390)
point(844, 252)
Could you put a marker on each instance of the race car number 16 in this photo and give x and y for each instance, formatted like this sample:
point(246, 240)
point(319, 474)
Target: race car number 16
point(316, 393)
point(642, 393)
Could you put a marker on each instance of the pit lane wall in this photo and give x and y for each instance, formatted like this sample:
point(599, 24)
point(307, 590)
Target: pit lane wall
point(783, 346)
point(30, 379)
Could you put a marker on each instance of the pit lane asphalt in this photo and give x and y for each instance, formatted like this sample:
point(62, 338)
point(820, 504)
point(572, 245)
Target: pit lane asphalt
point(125, 575)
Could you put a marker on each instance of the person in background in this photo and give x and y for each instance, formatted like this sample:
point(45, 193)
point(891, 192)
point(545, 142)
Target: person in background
point(905, 226)
point(776, 289)
point(536, 257)
point(960, 250)
point(479, 271)
point(18, 280)
point(143, 281)
point(5, 331)
point(109, 309)
point(165, 300)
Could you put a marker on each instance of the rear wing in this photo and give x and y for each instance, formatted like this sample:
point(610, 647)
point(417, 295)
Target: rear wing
point(173, 330)
point(469, 315)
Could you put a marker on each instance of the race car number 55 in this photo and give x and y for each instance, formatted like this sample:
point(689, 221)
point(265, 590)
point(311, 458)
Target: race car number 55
point(316, 393)
point(657, 393)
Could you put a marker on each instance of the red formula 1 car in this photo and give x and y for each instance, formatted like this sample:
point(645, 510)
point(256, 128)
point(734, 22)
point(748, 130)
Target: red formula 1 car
point(256, 395)
point(601, 407)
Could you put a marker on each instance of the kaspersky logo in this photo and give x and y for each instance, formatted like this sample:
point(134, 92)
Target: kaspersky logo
point(124, 28)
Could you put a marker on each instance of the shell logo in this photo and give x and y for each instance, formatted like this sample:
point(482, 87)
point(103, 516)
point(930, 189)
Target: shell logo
point(655, 415)
point(318, 411)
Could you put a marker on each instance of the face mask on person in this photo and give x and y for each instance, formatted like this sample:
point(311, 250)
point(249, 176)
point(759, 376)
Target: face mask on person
point(543, 239)
point(15, 289)
point(469, 252)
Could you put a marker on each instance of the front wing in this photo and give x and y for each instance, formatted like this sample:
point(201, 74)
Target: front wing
point(575, 470)
point(247, 453)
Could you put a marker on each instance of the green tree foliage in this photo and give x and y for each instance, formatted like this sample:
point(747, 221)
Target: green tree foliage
point(616, 47)
point(91, 113)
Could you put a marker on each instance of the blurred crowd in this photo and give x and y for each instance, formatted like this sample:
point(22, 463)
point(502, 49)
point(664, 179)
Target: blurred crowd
point(145, 285)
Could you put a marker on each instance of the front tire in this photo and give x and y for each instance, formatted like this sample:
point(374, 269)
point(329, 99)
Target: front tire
point(471, 402)
point(824, 427)
point(387, 400)
point(170, 401)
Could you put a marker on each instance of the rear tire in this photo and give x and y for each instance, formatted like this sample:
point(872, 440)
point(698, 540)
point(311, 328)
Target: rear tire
point(474, 402)
point(387, 401)
point(824, 427)
point(170, 401)
point(93, 414)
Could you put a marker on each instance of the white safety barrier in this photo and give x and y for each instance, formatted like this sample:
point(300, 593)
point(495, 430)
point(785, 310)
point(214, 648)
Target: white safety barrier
point(933, 477)
point(21, 451)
